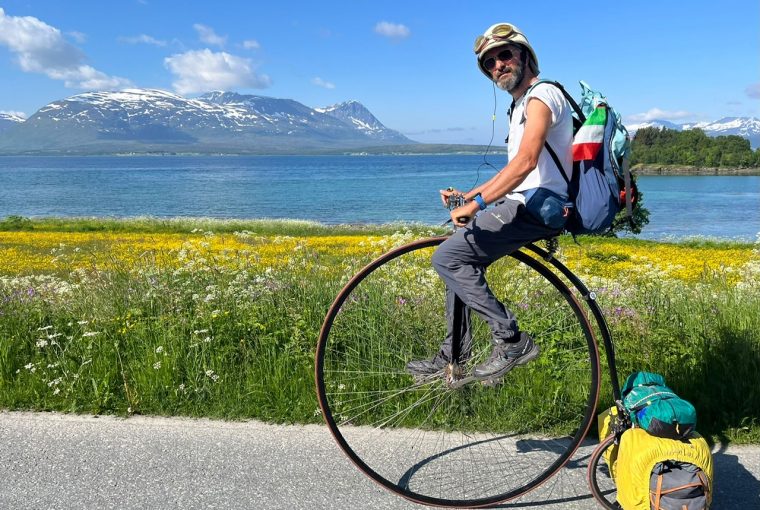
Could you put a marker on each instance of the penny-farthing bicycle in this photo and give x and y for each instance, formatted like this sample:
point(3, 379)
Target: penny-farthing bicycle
point(450, 440)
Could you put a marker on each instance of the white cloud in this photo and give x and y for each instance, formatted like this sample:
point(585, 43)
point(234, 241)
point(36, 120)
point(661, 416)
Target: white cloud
point(143, 39)
point(251, 44)
point(657, 114)
point(41, 48)
point(204, 71)
point(208, 36)
point(753, 91)
point(319, 82)
point(392, 30)
point(78, 37)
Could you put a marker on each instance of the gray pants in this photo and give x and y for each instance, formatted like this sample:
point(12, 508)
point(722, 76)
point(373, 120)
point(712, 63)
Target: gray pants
point(462, 260)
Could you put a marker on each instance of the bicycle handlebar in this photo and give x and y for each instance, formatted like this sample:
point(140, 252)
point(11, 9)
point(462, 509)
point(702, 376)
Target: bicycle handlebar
point(452, 202)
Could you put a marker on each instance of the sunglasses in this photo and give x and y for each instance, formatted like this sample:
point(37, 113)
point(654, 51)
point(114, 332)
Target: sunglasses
point(499, 33)
point(503, 55)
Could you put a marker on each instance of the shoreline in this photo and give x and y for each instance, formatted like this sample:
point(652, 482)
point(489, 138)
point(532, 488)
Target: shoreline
point(692, 170)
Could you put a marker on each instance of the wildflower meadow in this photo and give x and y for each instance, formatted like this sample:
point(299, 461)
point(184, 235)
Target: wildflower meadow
point(220, 318)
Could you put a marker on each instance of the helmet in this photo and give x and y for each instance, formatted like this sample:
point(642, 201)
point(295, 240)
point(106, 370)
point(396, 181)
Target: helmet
point(502, 34)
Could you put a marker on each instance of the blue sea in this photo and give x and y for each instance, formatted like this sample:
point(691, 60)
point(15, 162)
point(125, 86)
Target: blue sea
point(331, 189)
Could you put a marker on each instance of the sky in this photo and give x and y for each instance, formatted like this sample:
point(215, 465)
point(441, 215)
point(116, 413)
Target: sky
point(409, 62)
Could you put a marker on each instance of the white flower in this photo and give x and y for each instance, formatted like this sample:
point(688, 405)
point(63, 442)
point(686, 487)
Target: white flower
point(90, 333)
point(159, 349)
point(157, 365)
point(42, 343)
point(45, 328)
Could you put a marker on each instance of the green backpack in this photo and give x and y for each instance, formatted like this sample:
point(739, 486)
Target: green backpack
point(656, 408)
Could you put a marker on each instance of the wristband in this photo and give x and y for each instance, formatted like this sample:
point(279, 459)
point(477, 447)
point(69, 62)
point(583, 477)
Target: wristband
point(481, 203)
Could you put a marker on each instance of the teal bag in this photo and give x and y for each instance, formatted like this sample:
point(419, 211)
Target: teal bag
point(656, 408)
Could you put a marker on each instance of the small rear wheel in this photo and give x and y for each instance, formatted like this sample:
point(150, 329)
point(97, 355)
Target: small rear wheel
point(600, 479)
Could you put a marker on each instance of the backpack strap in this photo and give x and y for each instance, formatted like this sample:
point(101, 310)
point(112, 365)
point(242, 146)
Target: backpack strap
point(658, 495)
point(578, 120)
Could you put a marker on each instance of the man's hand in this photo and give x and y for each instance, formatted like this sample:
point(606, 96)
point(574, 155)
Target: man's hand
point(461, 216)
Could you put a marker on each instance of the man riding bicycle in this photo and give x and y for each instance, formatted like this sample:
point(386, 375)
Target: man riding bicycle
point(529, 197)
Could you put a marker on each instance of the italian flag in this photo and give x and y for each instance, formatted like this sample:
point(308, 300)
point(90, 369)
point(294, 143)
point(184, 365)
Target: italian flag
point(589, 138)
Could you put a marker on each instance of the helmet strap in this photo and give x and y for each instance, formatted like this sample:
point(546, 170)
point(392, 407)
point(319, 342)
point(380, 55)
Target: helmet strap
point(523, 62)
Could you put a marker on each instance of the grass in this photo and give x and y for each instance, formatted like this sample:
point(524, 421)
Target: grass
point(219, 318)
point(153, 225)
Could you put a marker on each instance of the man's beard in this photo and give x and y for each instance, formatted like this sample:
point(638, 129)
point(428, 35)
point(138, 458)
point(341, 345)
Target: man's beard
point(513, 79)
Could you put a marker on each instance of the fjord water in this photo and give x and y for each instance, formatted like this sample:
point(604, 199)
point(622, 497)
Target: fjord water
point(331, 189)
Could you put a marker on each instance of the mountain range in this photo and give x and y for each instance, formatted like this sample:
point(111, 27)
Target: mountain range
point(148, 120)
point(746, 127)
point(151, 120)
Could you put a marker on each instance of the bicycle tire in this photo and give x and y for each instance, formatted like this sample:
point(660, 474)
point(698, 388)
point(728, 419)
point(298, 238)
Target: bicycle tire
point(600, 479)
point(438, 439)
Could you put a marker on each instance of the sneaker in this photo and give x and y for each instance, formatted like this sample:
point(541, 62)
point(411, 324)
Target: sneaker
point(506, 356)
point(425, 367)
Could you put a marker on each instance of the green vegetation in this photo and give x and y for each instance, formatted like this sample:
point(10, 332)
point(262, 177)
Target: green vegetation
point(154, 225)
point(692, 148)
point(225, 325)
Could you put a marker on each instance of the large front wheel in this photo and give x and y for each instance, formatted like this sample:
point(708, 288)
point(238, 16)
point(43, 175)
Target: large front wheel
point(435, 444)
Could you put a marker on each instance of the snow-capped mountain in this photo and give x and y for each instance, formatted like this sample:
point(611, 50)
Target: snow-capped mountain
point(143, 120)
point(746, 127)
point(8, 120)
point(355, 113)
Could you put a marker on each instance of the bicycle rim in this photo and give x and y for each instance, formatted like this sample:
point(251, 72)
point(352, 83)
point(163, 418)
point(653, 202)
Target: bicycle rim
point(600, 477)
point(471, 446)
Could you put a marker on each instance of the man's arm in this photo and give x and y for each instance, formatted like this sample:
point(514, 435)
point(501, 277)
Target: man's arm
point(537, 122)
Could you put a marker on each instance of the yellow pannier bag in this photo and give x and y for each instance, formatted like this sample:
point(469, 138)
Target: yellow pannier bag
point(604, 425)
point(639, 452)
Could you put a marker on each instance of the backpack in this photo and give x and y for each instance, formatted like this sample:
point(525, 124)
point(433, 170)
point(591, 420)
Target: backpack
point(601, 184)
point(655, 473)
point(677, 485)
point(656, 408)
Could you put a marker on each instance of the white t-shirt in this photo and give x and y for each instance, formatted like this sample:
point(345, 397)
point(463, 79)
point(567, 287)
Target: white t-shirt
point(560, 138)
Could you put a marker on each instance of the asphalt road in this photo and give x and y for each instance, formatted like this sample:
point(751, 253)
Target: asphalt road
point(53, 461)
